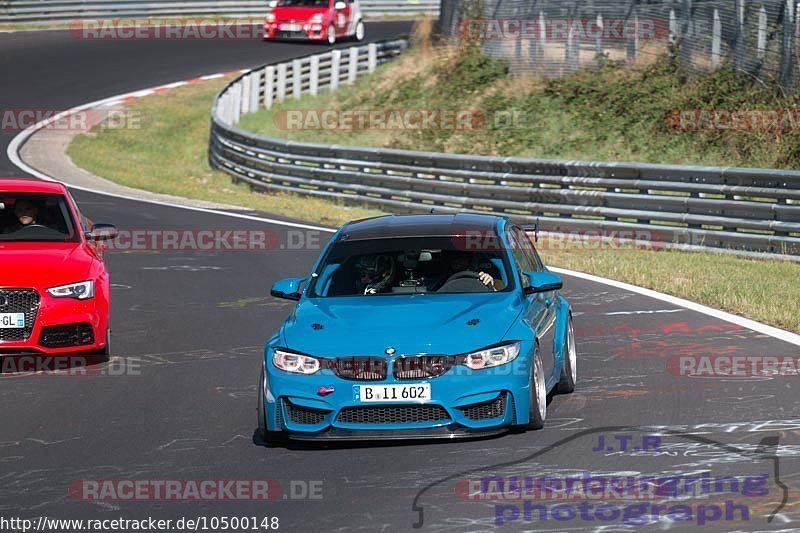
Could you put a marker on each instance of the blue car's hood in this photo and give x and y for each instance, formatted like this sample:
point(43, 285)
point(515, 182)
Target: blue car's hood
point(368, 325)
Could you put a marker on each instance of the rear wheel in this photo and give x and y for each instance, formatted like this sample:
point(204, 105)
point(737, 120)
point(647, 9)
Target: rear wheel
point(537, 412)
point(568, 368)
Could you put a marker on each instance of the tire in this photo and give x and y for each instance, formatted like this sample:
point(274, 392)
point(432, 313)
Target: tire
point(360, 31)
point(568, 368)
point(266, 438)
point(104, 354)
point(537, 411)
point(331, 35)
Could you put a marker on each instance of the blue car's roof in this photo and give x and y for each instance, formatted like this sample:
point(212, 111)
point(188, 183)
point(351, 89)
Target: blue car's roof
point(426, 225)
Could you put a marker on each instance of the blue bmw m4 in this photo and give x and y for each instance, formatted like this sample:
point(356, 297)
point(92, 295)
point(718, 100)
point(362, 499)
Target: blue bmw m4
point(418, 326)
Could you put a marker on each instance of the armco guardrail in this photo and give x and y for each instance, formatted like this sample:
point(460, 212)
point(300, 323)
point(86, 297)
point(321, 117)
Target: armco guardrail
point(43, 11)
point(741, 209)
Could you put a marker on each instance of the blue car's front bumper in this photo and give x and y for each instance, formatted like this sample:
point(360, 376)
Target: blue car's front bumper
point(463, 403)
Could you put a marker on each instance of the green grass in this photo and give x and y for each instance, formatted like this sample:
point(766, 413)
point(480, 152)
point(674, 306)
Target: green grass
point(168, 154)
point(762, 290)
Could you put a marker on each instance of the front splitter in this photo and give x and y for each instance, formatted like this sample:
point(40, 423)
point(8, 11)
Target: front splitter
point(444, 432)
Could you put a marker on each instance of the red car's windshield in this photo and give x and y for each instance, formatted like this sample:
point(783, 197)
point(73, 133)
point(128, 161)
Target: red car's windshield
point(303, 3)
point(36, 217)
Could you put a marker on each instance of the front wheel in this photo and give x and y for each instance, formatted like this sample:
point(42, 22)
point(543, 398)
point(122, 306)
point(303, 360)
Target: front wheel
point(537, 411)
point(104, 354)
point(331, 38)
point(568, 367)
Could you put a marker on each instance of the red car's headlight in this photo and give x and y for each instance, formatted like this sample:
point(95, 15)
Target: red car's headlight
point(80, 291)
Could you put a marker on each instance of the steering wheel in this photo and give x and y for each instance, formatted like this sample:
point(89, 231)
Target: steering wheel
point(33, 225)
point(41, 229)
point(464, 281)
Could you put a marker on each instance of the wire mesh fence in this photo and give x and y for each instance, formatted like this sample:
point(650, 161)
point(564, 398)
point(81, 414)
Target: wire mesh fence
point(552, 37)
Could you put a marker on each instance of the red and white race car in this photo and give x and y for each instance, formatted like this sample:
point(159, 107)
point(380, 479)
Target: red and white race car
point(316, 20)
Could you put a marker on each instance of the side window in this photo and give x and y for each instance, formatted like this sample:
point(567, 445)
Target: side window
point(85, 223)
point(523, 261)
point(529, 250)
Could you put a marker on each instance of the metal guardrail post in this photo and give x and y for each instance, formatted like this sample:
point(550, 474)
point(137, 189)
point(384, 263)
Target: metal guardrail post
point(281, 82)
point(255, 87)
point(313, 84)
point(297, 79)
point(246, 94)
point(236, 104)
point(269, 85)
point(352, 66)
point(336, 62)
point(372, 57)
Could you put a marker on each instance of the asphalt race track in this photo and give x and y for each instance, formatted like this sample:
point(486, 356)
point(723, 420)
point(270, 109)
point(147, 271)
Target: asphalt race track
point(188, 330)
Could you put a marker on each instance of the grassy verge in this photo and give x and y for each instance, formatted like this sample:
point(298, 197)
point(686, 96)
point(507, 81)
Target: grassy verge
point(766, 291)
point(167, 154)
point(612, 112)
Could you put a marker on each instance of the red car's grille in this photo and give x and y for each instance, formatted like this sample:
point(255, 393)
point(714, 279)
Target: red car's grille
point(24, 301)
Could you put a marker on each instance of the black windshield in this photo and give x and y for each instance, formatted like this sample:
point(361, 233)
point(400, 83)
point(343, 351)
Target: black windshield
point(35, 217)
point(410, 265)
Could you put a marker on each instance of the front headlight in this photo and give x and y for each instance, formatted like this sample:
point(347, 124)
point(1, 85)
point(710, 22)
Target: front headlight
point(295, 362)
point(316, 19)
point(492, 356)
point(270, 17)
point(80, 291)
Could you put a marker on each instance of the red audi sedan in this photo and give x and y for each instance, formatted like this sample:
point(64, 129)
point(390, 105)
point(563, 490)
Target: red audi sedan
point(54, 286)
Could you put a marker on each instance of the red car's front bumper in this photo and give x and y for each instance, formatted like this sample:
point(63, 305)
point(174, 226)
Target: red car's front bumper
point(309, 31)
point(54, 326)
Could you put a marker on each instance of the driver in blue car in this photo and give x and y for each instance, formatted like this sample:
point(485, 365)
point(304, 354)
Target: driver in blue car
point(26, 214)
point(461, 262)
point(375, 274)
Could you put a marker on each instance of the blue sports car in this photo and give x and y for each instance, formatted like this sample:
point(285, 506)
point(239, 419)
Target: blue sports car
point(418, 326)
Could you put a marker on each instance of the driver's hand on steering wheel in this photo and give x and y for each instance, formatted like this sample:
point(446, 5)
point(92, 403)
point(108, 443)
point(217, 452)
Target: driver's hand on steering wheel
point(486, 279)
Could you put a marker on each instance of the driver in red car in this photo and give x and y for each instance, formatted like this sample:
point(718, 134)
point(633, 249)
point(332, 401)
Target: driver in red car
point(26, 214)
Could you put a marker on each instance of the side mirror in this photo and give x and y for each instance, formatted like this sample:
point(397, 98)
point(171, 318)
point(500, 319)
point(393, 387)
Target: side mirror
point(273, 3)
point(339, 6)
point(542, 282)
point(102, 232)
point(288, 289)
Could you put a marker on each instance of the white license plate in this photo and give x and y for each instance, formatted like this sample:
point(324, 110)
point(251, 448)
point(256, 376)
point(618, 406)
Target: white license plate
point(290, 27)
point(12, 320)
point(421, 392)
